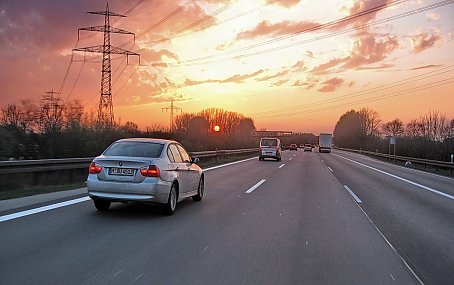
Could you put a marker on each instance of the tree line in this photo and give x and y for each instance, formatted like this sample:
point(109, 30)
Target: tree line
point(431, 136)
point(53, 129)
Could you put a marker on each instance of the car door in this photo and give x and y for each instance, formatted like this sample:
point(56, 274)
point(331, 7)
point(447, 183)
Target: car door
point(180, 169)
point(193, 170)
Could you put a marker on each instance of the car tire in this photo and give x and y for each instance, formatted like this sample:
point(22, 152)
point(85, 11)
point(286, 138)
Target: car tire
point(169, 207)
point(200, 190)
point(101, 205)
point(260, 158)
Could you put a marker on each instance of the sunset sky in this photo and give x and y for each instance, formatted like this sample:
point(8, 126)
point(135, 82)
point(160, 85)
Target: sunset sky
point(289, 64)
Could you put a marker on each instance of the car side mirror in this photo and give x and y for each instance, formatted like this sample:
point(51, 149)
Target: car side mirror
point(195, 160)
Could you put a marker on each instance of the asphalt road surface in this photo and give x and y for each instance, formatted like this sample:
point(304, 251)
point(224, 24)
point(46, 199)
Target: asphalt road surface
point(311, 218)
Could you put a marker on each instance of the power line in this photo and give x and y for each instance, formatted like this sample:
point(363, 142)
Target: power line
point(220, 57)
point(408, 80)
point(75, 82)
point(166, 18)
point(372, 99)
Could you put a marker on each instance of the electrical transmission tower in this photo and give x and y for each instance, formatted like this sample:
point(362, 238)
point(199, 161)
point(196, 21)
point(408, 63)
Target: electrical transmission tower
point(51, 112)
point(172, 108)
point(105, 109)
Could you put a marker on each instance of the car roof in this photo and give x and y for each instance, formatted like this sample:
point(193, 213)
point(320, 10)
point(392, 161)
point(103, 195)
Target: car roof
point(152, 140)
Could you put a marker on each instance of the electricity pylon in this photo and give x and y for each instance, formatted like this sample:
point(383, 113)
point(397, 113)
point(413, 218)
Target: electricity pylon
point(105, 109)
point(172, 108)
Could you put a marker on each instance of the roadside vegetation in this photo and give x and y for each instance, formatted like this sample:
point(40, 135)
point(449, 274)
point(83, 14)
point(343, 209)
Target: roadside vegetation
point(60, 130)
point(431, 136)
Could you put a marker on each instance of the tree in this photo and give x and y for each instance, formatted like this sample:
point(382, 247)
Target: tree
point(394, 128)
point(198, 126)
point(50, 114)
point(72, 113)
point(11, 116)
point(349, 130)
point(245, 127)
point(371, 122)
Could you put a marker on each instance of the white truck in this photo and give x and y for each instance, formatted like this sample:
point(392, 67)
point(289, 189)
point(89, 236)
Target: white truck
point(324, 142)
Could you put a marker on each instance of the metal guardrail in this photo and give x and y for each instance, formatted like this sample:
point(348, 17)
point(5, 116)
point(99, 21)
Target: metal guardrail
point(413, 160)
point(26, 166)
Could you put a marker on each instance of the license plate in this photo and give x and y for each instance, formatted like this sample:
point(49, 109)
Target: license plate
point(122, 171)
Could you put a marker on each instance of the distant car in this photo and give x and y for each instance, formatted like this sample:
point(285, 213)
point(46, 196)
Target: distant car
point(270, 148)
point(145, 170)
point(293, 146)
point(301, 145)
point(307, 147)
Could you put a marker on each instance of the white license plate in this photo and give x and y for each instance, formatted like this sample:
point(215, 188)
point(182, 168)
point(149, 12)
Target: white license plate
point(122, 171)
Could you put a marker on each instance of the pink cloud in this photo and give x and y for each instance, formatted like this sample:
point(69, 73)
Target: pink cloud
point(366, 50)
point(429, 66)
point(424, 40)
point(331, 84)
point(266, 28)
point(358, 6)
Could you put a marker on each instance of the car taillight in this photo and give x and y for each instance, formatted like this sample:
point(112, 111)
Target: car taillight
point(150, 171)
point(94, 168)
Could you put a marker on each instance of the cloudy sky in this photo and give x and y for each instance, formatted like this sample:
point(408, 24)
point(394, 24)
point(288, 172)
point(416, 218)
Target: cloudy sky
point(293, 65)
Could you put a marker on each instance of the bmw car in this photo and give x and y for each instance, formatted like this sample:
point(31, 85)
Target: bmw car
point(144, 170)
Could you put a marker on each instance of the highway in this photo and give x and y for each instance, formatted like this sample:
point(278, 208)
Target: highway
point(312, 218)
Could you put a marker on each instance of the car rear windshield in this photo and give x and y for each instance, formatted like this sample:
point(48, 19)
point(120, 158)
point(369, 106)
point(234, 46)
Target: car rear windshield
point(268, 142)
point(135, 149)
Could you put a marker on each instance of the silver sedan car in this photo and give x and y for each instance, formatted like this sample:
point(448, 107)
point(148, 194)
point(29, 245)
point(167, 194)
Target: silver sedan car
point(145, 170)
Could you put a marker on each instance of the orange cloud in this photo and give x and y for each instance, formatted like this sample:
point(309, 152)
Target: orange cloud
point(189, 82)
point(331, 84)
point(424, 40)
point(279, 74)
point(280, 82)
point(239, 78)
point(308, 83)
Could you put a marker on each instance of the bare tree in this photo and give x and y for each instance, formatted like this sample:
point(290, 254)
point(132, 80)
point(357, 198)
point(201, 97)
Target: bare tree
point(11, 116)
point(371, 121)
point(434, 126)
point(29, 116)
point(413, 129)
point(394, 128)
point(50, 114)
point(73, 112)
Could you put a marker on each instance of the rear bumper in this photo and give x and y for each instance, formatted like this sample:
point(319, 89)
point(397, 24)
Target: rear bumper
point(151, 190)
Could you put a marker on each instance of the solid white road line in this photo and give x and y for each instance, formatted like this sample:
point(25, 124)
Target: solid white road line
point(353, 194)
point(255, 186)
point(42, 209)
point(330, 169)
point(282, 165)
point(227, 164)
point(400, 178)
point(83, 199)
